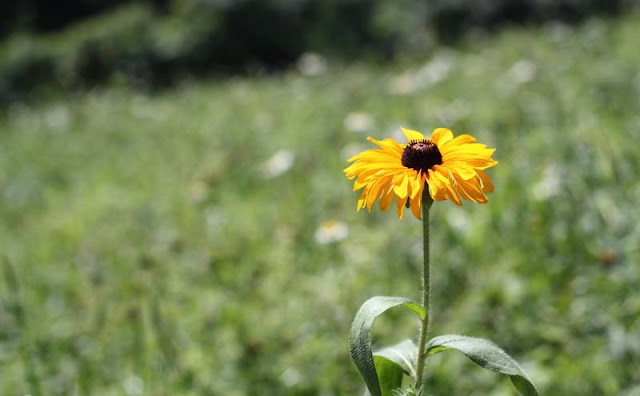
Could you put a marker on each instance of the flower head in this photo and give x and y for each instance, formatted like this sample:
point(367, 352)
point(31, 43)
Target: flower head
point(331, 231)
point(451, 168)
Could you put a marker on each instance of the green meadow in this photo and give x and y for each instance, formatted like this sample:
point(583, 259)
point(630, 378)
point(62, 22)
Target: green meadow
point(178, 244)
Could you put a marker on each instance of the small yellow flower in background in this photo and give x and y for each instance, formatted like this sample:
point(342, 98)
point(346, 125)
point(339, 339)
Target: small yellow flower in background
point(452, 168)
point(331, 231)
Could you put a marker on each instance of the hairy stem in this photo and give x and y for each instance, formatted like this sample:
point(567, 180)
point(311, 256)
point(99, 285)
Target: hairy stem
point(426, 287)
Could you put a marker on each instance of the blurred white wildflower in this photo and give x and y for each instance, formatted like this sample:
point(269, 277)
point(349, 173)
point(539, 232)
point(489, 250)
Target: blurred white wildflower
point(402, 84)
point(278, 164)
point(133, 386)
point(437, 69)
point(549, 184)
point(57, 117)
point(397, 134)
point(215, 218)
point(619, 341)
point(331, 231)
point(513, 288)
point(522, 71)
point(593, 31)
point(459, 220)
point(454, 111)
point(358, 121)
point(311, 64)
point(557, 31)
point(291, 377)
point(434, 71)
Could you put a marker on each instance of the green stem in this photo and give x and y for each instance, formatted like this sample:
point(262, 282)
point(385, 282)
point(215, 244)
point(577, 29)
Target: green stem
point(426, 287)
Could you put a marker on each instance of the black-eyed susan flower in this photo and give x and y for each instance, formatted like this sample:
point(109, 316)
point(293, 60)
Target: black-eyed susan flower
point(451, 168)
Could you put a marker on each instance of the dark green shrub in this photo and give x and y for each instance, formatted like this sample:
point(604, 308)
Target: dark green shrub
point(452, 18)
point(154, 44)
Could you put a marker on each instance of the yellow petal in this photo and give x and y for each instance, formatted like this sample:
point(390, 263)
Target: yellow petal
point(400, 188)
point(462, 139)
point(400, 202)
point(412, 135)
point(385, 200)
point(471, 190)
point(414, 180)
point(464, 170)
point(361, 201)
point(374, 191)
point(466, 152)
point(375, 156)
point(483, 163)
point(380, 175)
point(445, 183)
point(416, 204)
point(440, 136)
point(487, 185)
point(387, 144)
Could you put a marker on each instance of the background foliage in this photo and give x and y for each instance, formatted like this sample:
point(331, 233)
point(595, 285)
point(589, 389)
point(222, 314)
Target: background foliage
point(81, 43)
point(160, 244)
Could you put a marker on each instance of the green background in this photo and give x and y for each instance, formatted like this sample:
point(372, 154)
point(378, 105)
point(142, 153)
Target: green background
point(146, 251)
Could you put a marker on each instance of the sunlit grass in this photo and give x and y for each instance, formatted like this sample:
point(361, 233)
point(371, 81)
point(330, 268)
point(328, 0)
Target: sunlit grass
point(157, 252)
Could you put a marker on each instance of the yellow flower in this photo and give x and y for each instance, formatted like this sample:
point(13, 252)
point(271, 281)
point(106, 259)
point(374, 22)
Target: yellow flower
point(452, 169)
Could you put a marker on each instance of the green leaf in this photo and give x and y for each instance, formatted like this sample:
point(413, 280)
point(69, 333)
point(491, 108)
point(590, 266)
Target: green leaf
point(487, 355)
point(389, 374)
point(403, 354)
point(360, 335)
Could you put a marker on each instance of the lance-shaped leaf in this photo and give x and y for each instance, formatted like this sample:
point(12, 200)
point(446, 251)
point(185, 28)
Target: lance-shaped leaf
point(487, 355)
point(404, 354)
point(360, 335)
point(389, 375)
point(392, 363)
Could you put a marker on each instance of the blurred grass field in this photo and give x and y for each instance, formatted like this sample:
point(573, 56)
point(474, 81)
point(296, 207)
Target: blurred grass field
point(161, 245)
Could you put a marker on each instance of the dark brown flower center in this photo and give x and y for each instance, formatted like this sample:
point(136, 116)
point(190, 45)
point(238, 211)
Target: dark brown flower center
point(421, 155)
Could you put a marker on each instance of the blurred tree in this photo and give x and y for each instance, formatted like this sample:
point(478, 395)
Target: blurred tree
point(81, 43)
point(452, 18)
